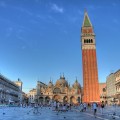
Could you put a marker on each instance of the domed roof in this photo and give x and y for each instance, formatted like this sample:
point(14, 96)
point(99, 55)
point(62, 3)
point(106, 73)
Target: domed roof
point(50, 84)
point(76, 84)
point(62, 82)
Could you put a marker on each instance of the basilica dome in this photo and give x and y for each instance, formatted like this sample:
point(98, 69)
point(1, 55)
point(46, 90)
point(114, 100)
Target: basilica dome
point(50, 84)
point(76, 84)
point(62, 82)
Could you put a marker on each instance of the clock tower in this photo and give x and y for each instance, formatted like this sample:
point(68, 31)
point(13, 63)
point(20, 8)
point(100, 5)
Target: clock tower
point(89, 62)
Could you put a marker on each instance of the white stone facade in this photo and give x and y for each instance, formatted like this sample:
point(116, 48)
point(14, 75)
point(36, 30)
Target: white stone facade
point(9, 91)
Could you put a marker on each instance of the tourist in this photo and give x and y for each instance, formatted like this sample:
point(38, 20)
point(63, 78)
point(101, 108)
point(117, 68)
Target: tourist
point(85, 106)
point(81, 107)
point(54, 105)
point(95, 108)
point(58, 106)
point(64, 108)
point(102, 107)
point(89, 106)
point(35, 109)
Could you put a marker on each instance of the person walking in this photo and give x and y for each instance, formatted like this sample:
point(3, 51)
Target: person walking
point(85, 106)
point(81, 107)
point(95, 108)
point(102, 107)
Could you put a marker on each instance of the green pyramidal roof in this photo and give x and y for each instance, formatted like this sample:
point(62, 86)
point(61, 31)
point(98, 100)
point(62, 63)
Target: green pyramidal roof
point(86, 22)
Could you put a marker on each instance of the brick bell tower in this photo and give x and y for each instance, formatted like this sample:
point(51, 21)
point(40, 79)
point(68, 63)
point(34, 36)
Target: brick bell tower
point(89, 62)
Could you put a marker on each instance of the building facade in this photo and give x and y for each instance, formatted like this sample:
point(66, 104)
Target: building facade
point(9, 91)
point(60, 91)
point(19, 84)
point(111, 89)
point(25, 98)
point(117, 85)
point(103, 94)
point(31, 96)
point(89, 62)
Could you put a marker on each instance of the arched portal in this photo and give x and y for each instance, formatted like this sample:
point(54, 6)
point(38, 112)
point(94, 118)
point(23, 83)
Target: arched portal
point(65, 99)
point(72, 100)
point(79, 100)
point(56, 98)
point(41, 100)
point(47, 99)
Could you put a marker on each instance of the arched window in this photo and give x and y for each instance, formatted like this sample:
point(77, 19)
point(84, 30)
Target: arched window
point(91, 41)
point(87, 41)
point(56, 91)
point(104, 90)
point(84, 40)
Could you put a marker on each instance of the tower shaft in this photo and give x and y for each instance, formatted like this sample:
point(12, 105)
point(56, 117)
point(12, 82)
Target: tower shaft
point(89, 61)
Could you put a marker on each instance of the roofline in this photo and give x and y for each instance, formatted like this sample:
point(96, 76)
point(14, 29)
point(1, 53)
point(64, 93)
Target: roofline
point(8, 80)
point(42, 83)
point(117, 71)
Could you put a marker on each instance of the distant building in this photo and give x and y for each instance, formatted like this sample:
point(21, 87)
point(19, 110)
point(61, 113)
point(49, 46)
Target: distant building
point(25, 98)
point(103, 95)
point(19, 83)
point(31, 96)
point(9, 91)
point(111, 89)
point(117, 85)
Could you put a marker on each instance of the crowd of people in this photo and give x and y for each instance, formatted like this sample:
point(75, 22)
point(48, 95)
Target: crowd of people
point(82, 107)
point(93, 106)
point(57, 106)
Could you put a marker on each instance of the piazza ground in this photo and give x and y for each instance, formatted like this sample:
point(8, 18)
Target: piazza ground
point(46, 113)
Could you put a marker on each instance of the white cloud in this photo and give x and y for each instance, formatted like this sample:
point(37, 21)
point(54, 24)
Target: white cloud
point(56, 8)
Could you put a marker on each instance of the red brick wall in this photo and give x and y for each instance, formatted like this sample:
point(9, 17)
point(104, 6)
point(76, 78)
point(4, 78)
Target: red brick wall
point(90, 76)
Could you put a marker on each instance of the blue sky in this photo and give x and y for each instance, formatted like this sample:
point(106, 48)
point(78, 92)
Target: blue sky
point(41, 39)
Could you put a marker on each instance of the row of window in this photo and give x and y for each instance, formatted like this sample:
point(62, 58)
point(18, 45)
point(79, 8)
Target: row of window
point(88, 40)
point(31, 98)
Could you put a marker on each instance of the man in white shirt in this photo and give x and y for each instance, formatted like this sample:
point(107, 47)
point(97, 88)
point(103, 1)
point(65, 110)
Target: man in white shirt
point(95, 108)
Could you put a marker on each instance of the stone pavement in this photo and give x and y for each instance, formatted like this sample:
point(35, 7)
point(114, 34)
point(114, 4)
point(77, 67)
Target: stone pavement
point(109, 113)
point(46, 113)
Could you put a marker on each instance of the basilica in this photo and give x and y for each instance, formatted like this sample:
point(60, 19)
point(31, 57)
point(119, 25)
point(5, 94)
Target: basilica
point(60, 91)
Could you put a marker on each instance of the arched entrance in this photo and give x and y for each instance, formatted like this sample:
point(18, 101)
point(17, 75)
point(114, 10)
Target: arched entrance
point(72, 100)
point(56, 98)
point(41, 100)
point(65, 99)
point(47, 100)
point(79, 100)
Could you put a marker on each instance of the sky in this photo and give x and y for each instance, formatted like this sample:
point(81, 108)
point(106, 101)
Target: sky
point(40, 39)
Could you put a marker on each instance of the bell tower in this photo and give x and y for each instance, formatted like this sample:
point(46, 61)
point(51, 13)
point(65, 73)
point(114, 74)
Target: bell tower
point(89, 62)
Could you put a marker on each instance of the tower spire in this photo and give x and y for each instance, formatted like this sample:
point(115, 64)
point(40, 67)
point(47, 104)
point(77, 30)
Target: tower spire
point(86, 21)
point(89, 61)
